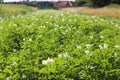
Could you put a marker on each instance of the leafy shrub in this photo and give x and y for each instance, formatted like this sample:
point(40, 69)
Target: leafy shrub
point(59, 46)
point(80, 2)
point(98, 3)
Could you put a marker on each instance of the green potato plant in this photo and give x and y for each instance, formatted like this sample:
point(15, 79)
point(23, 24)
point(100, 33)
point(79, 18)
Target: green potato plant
point(56, 45)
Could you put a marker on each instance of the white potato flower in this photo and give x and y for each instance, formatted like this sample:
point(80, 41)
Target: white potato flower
point(88, 45)
point(15, 24)
point(101, 37)
point(65, 54)
point(103, 46)
point(30, 39)
point(59, 55)
point(49, 60)
point(23, 76)
point(14, 63)
point(117, 46)
point(44, 62)
point(78, 47)
point(91, 37)
point(23, 39)
point(8, 78)
point(87, 51)
point(100, 46)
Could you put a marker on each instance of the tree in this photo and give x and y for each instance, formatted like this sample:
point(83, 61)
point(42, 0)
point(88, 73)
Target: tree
point(98, 3)
point(80, 2)
point(116, 1)
point(1, 1)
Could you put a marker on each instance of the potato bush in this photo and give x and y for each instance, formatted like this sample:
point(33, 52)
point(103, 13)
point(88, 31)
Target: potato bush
point(56, 45)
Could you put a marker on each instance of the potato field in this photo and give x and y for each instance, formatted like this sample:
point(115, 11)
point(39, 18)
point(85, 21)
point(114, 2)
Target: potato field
point(58, 45)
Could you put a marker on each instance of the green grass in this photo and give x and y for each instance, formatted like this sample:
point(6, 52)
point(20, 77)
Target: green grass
point(108, 18)
point(57, 45)
point(14, 9)
point(115, 20)
point(113, 6)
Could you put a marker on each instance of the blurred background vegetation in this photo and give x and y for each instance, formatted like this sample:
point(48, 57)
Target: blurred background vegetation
point(14, 9)
point(93, 7)
point(96, 3)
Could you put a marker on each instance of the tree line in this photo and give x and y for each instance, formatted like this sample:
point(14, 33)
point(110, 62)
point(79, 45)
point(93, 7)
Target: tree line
point(96, 3)
point(91, 3)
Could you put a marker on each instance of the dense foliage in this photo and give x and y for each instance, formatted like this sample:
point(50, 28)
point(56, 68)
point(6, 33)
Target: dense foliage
point(115, 1)
point(80, 2)
point(96, 3)
point(59, 46)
